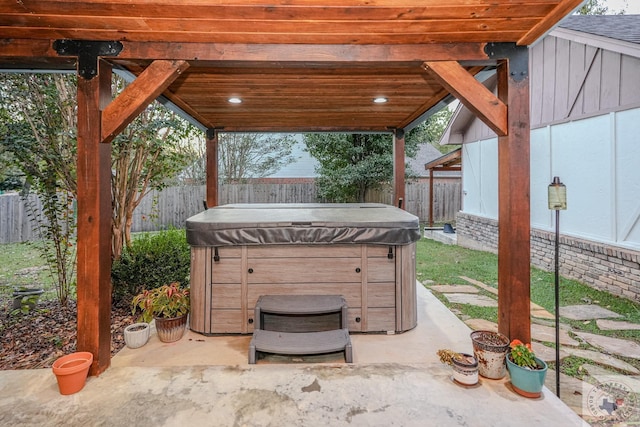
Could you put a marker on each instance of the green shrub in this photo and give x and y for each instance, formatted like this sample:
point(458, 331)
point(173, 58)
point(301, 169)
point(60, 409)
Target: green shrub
point(152, 260)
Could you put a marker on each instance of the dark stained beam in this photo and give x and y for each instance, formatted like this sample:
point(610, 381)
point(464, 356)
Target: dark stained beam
point(399, 169)
point(473, 94)
point(94, 221)
point(212, 168)
point(514, 221)
point(30, 48)
point(138, 95)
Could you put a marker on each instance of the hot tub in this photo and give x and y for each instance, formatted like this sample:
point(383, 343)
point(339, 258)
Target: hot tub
point(364, 252)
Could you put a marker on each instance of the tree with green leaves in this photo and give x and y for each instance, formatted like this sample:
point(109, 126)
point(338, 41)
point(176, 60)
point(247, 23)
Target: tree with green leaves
point(40, 134)
point(252, 155)
point(39, 123)
point(352, 164)
point(598, 7)
point(430, 131)
point(145, 155)
point(593, 7)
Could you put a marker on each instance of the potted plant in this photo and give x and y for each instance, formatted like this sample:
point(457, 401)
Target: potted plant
point(465, 366)
point(168, 305)
point(490, 348)
point(527, 371)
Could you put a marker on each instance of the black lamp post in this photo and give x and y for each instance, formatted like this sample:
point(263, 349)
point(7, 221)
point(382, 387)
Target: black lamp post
point(557, 202)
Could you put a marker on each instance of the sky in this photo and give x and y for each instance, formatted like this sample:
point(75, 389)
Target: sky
point(632, 6)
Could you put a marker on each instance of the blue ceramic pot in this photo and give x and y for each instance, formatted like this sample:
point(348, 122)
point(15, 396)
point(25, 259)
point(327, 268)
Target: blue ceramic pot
point(527, 382)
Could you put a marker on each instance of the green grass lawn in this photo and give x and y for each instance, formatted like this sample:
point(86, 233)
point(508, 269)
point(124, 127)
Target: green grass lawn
point(438, 263)
point(22, 265)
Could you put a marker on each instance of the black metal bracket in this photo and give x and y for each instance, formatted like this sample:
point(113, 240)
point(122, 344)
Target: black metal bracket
point(390, 254)
point(518, 57)
point(88, 53)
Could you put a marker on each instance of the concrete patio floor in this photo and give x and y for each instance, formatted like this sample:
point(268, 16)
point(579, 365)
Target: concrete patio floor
point(395, 380)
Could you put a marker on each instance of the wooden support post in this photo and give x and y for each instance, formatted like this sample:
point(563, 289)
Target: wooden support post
point(398, 169)
point(514, 199)
point(431, 197)
point(94, 220)
point(212, 168)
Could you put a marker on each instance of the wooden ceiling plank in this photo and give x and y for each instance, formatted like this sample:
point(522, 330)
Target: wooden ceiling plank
point(137, 96)
point(545, 25)
point(217, 27)
point(236, 11)
point(473, 94)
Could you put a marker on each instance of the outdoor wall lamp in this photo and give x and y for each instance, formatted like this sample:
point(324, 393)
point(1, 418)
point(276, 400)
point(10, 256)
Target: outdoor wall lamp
point(557, 201)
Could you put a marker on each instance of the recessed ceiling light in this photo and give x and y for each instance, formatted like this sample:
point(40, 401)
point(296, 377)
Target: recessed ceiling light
point(235, 100)
point(380, 100)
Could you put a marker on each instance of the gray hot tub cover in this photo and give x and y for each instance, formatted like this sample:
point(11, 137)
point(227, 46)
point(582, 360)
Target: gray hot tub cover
point(274, 224)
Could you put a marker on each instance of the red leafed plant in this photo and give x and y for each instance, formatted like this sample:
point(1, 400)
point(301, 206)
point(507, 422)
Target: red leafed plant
point(522, 355)
point(166, 301)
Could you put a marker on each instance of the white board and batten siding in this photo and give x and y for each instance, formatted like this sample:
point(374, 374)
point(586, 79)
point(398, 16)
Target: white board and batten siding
point(585, 121)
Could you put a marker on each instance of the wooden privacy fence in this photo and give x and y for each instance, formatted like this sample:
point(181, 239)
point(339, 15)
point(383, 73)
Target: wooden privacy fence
point(173, 205)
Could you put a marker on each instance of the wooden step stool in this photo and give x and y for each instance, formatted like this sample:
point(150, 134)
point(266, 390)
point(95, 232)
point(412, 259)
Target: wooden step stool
point(300, 324)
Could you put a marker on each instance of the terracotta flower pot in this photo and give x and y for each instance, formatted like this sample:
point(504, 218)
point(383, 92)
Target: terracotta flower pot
point(172, 329)
point(136, 335)
point(71, 371)
point(490, 349)
point(527, 382)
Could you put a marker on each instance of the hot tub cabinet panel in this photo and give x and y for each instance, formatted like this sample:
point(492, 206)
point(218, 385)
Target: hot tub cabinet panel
point(376, 280)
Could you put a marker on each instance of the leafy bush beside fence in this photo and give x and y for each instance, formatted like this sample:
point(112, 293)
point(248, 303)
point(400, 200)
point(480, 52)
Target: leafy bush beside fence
point(154, 259)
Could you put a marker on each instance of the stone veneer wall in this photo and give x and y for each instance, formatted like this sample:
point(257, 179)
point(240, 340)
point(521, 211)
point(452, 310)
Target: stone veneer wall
point(601, 266)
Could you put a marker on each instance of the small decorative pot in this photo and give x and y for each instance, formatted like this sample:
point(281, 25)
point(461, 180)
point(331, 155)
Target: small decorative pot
point(136, 335)
point(490, 349)
point(71, 371)
point(26, 296)
point(465, 371)
point(527, 382)
point(172, 329)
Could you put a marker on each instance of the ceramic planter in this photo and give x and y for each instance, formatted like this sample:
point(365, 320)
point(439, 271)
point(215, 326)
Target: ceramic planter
point(490, 349)
point(171, 329)
point(71, 371)
point(527, 382)
point(136, 335)
point(465, 371)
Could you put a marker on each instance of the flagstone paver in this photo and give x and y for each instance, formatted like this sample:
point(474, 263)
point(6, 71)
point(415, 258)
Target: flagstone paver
point(603, 359)
point(480, 285)
point(548, 334)
point(602, 375)
point(548, 354)
point(459, 289)
point(572, 390)
point(616, 325)
point(617, 346)
point(478, 300)
point(536, 310)
point(482, 325)
point(587, 312)
point(542, 314)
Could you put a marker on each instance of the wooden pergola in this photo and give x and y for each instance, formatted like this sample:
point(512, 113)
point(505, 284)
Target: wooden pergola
point(297, 66)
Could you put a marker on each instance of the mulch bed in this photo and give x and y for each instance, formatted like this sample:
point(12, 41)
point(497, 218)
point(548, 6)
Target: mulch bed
point(36, 339)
